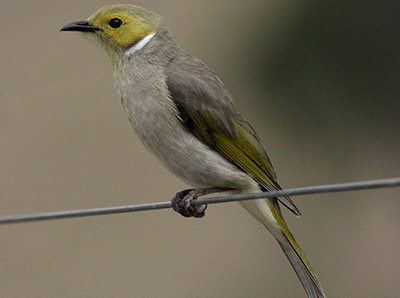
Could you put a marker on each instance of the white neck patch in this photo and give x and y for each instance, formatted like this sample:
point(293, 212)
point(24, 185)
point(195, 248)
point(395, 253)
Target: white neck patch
point(139, 45)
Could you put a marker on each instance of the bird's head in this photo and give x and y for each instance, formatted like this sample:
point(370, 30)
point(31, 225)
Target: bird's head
point(118, 27)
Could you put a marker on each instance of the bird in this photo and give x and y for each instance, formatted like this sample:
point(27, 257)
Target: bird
point(185, 116)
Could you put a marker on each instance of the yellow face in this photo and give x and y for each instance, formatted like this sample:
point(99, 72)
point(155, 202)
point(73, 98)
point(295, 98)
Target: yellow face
point(123, 25)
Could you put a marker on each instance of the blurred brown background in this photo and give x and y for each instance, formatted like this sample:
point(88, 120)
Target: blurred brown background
point(319, 82)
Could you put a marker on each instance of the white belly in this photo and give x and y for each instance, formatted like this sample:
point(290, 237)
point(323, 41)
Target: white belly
point(184, 155)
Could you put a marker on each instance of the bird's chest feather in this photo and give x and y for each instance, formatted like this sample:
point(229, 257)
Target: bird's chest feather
point(145, 98)
point(152, 113)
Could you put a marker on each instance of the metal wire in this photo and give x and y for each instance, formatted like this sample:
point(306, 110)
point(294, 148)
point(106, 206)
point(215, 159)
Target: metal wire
point(373, 184)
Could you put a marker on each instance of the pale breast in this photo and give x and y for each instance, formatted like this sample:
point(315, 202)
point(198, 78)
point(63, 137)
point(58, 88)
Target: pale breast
point(153, 117)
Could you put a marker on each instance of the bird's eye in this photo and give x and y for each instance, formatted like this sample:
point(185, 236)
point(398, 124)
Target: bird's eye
point(115, 23)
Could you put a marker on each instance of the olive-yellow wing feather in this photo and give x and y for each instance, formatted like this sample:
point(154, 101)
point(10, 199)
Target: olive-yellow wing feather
point(206, 109)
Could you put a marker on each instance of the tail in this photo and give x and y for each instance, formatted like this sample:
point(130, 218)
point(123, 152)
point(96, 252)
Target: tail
point(268, 213)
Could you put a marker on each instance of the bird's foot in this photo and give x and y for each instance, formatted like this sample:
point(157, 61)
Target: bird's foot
point(185, 197)
point(181, 202)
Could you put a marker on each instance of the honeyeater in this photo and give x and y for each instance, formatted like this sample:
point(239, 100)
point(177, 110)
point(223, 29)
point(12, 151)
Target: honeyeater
point(184, 115)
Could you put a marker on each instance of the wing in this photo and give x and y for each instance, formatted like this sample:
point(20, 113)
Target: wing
point(207, 110)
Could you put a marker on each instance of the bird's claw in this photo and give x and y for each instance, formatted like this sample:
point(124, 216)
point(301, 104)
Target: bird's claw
point(185, 198)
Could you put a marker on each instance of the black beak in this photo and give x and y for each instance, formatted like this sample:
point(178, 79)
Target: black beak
point(82, 26)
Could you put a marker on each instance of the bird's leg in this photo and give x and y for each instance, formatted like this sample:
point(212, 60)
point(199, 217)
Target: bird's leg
point(188, 195)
